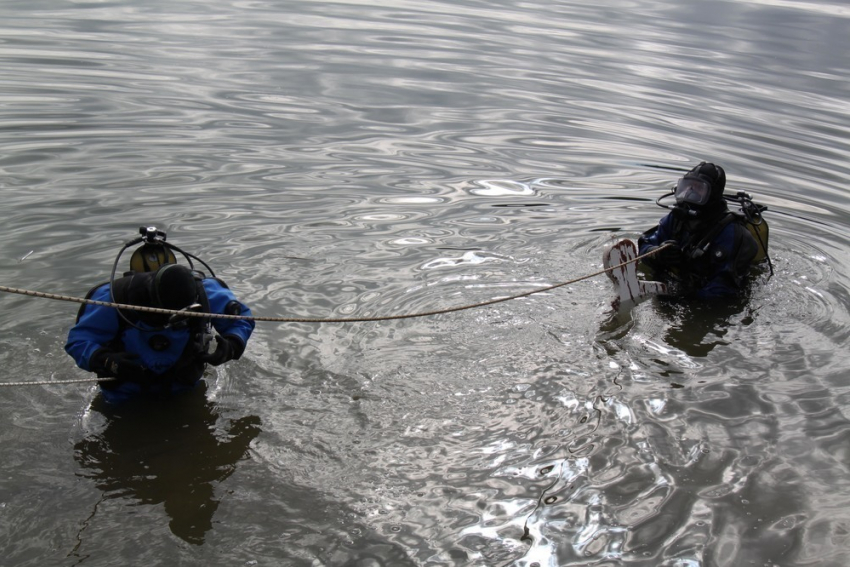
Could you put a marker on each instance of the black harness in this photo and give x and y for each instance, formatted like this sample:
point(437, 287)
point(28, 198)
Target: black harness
point(698, 249)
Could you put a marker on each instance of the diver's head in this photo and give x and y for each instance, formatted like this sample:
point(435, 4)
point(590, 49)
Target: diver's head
point(173, 287)
point(700, 192)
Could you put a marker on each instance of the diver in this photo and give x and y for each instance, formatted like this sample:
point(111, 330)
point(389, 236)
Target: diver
point(156, 353)
point(710, 248)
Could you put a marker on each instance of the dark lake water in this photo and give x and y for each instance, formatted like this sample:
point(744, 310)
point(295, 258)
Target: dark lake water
point(349, 158)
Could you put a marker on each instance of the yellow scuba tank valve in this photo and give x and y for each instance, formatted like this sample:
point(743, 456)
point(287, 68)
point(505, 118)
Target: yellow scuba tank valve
point(154, 253)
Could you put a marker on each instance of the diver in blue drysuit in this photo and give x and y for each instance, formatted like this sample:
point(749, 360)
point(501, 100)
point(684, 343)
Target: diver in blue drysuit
point(153, 353)
point(710, 254)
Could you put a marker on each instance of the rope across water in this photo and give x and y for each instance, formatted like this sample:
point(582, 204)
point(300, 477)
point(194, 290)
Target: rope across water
point(57, 297)
point(48, 382)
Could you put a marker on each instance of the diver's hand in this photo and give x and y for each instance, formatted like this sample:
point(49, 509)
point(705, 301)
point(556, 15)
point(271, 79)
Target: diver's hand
point(670, 253)
point(226, 349)
point(121, 365)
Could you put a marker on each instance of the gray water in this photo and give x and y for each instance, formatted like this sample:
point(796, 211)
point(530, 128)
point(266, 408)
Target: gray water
point(350, 158)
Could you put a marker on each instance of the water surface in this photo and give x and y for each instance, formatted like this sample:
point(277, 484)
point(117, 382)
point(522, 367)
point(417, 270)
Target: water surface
point(349, 158)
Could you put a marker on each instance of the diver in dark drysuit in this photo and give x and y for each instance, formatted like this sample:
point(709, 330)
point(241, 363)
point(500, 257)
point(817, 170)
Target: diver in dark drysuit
point(711, 250)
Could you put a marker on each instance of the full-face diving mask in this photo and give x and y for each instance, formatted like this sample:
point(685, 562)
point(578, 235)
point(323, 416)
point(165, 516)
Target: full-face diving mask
point(692, 191)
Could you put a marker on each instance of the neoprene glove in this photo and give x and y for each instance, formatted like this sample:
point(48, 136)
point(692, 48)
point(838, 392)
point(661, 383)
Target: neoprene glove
point(121, 365)
point(671, 255)
point(226, 348)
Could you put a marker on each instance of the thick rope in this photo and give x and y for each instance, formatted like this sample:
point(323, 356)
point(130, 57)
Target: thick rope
point(57, 297)
point(49, 382)
point(160, 311)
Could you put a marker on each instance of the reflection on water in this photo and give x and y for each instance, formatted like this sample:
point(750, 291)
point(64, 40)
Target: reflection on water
point(166, 451)
point(696, 329)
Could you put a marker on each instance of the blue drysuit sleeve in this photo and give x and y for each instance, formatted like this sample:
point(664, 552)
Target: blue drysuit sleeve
point(656, 235)
point(222, 301)
point(95, 328)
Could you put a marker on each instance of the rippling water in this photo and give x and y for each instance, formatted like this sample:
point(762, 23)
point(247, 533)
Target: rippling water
point(350, 158)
